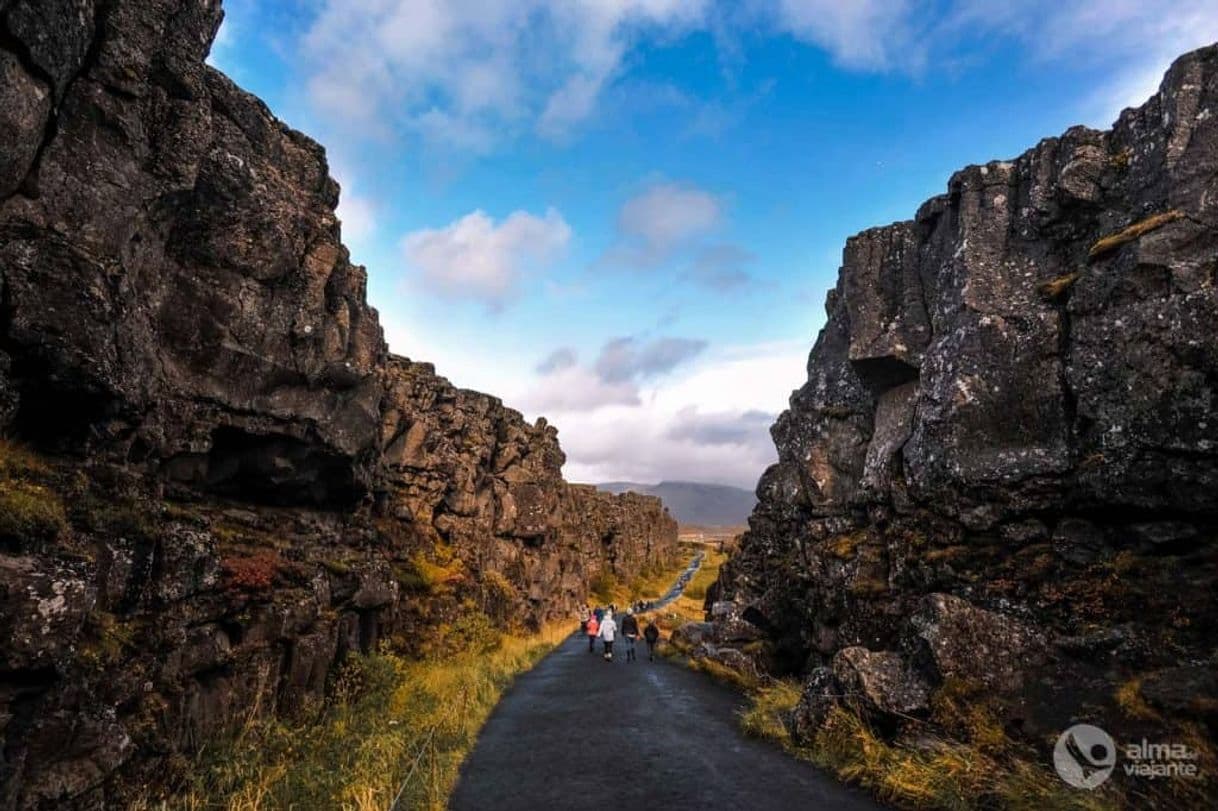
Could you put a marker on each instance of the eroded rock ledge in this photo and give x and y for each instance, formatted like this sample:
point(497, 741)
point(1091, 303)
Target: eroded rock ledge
point(1003, 467)
point(233, 483)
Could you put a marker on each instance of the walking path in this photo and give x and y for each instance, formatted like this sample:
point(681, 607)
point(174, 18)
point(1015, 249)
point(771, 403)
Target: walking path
point(578, 733)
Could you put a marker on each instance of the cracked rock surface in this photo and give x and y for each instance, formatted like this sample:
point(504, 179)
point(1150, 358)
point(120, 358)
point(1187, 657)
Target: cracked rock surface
point(1002, 468)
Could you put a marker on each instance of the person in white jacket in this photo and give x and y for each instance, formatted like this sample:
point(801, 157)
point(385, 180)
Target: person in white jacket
point(607, 633)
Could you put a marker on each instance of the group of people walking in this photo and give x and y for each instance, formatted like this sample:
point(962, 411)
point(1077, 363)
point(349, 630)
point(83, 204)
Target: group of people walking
point(601, 624)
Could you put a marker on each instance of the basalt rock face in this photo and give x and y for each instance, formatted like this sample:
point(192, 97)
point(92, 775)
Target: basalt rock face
point(222, 483)
point(1003, 467)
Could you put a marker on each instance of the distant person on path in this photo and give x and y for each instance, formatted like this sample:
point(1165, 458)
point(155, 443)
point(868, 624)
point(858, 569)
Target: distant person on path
point(600, 614)
point(652, 634)
point(584, 614)
point(593, 629)
point(630, 630)
point(608, 631)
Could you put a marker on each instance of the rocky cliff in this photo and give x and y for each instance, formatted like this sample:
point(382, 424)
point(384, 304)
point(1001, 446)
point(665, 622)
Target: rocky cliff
point(1002, 470)
point(216, 482)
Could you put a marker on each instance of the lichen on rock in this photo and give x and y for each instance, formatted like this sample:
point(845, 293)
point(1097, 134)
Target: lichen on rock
point(1000, 471)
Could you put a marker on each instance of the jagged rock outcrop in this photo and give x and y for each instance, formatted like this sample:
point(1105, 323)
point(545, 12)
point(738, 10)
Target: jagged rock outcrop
point(232, 483)
point(1002, 468)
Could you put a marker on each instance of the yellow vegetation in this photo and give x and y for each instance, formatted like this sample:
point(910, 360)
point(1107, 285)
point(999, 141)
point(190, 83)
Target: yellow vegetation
point(434, 573)
point(1129, 699)
point(18, 462)
point(396, 724)
point(1055, 287)
point(844, 546)
point(29, 513)
point(977, 767)
point(722, 672)
point(766, 715)
point(106, 639)
point(1114, 241)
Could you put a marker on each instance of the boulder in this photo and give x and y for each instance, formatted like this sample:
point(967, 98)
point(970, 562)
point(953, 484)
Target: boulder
point(881, 682)
point(692, 634)
point(820, 694)
point(949, 638)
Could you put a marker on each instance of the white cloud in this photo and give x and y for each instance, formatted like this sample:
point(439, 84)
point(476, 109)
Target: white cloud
point(469, 74)
point(663, 220)
point(861, 34)
point(445, 69)
point(722, 427)
point(577, 390)
point(475, 258)
point(667, 214)
point(708, 421)
point(614, 379)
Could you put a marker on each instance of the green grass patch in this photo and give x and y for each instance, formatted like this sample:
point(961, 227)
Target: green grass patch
point(30, 514)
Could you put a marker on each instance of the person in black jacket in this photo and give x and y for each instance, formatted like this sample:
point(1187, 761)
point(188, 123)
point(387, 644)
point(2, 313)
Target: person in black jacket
point(630, 630)
point(652, 634)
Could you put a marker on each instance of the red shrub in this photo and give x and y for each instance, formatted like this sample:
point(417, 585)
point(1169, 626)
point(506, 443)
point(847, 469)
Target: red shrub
point(253, 573)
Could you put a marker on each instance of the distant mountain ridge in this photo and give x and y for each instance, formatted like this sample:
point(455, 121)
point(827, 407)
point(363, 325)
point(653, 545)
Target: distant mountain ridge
point(696, 502)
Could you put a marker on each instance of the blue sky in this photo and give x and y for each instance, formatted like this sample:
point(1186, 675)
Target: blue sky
point(624, 214)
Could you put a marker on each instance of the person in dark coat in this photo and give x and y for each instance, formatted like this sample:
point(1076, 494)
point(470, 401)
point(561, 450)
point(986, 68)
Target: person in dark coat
point(630, 630)
point(652, 634)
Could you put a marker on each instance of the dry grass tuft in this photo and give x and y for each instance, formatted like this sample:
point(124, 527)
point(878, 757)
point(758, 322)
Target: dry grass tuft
point(1055, 288)
point(1129, 699)
point(395, 724)
point(728, 675)
point(1114, 241)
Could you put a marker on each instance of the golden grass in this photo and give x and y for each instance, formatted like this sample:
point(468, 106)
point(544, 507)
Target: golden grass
point(651, 583)
point(978, 768)
point(845, 546)
point(729, 675)
point(395, 724)
point(19, 462)
point(1129, 698)
point(1054, 288)
point(1129, 234)
point(30, 513)
point(766, 715)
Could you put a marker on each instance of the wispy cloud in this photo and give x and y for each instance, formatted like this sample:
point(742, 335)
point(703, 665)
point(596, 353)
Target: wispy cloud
point(722, 428)
point(463, 73)
point(558, 360)
point(662, 219)
point(614, 378)
point(467, 75)
point(478, 259)
point(721, 267)
point(628, 358)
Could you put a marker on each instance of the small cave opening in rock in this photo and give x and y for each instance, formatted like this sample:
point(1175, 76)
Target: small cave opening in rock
point(54, 415)
point(271, 469)
point(883, 373)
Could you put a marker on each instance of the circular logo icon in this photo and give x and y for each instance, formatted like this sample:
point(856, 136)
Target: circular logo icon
point(1085, 756)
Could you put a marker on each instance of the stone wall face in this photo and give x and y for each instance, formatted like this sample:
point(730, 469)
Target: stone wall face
point(234, 485)
point(1009, 413)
